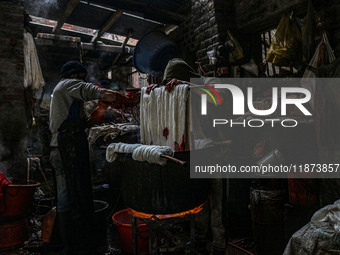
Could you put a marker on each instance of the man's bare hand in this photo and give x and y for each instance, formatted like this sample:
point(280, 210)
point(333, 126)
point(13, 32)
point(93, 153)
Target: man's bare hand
point(151, 87)
point(170, 86)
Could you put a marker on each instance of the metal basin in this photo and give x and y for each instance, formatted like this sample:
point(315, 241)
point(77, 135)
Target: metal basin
point(156, 189)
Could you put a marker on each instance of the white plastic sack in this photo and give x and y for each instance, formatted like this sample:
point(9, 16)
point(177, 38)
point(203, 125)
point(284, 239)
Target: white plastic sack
point(320, 236)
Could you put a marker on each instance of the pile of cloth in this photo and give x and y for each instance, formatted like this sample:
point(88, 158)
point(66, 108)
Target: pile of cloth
point(149, 153)
point(110, 131)
point(32, 72)
point(164, 117)
point(320, 236)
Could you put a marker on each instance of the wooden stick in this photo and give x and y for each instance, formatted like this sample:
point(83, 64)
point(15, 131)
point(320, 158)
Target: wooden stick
point(28, 169)
point(182, 163)
point(223, 142)
point(70, 7)
point(108, 24)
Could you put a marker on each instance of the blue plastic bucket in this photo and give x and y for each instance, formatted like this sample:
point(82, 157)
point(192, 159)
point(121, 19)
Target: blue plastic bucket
point(153, 52)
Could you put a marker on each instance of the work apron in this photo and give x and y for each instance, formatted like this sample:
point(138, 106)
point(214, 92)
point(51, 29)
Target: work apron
point(74, 152)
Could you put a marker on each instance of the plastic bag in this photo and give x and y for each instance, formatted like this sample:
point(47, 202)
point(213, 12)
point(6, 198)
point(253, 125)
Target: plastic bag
point(285, 49)
point(236, 52)
point(212, 56)
point(322, 56)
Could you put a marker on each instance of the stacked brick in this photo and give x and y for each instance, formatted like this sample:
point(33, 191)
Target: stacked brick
point(204, 29)
point(13, 124)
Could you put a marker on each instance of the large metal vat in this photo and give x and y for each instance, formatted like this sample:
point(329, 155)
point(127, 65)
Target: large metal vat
point(156, 189)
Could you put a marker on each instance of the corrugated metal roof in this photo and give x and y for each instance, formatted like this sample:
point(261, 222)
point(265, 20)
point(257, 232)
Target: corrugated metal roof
point(94, 13)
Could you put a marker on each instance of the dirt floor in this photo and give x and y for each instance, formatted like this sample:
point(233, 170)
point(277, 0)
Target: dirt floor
point(39, 248)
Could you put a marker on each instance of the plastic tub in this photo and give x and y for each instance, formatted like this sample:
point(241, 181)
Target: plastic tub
point(13, 234)
point(123, 222)
point(18, 199)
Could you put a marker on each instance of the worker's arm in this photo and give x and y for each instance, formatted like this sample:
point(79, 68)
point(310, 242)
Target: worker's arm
point(109, 97)
point(169, 86)
point(87, 91)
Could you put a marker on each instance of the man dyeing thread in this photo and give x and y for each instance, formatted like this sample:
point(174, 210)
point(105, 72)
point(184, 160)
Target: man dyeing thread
point(70, 155)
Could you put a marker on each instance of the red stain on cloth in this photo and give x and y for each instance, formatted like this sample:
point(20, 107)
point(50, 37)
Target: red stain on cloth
point(3, 185)
point(166, 133)
point(180, 147)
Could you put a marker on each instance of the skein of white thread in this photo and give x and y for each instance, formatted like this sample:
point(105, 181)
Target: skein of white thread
point(152, 153)
point(113, 148)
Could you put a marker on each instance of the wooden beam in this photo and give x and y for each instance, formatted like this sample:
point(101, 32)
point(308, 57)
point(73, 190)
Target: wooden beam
point(168, 29)
point(108, 24)
point(70, 7)
point(58, 37)
point(105, 47)
point(47, 31)
point(83, 46)
point(123, 46)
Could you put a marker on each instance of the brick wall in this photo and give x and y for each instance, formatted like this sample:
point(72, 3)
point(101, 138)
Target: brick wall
point(256, 16)
point(206, 26)
point(13, 124)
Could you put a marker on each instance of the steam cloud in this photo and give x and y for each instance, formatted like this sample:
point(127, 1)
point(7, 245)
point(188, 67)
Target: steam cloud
point(42, 7)
point(4, 153)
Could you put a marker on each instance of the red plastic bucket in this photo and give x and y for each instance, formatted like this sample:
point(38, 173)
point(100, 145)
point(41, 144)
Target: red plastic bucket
point(18, 199)
point(13, 234)
point(123, 221)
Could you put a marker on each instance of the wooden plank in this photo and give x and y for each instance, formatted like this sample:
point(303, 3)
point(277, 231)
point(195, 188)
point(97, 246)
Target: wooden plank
point(108, 24)
point(56, 43)
point(83, 46)
point(70, 7)
point(102, 47)
point(123, 47)
point(58, 37)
